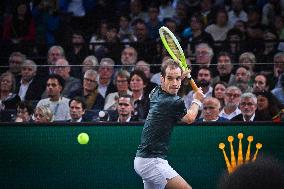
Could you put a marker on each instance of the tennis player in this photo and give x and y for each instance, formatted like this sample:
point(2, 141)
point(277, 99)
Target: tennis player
point(166, 108)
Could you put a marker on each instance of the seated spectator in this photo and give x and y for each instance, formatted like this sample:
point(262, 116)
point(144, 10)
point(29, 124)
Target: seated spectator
point(220, 27)
point(261, 173)
point(235, 43)
point(219, 92)
point(232, 100)
point(121, 81)
point(248, 60)
point(19, 27)
point(125, 109)
point(203, 80)
point(128, 58)
point(268, 106)
point(72, 84)
point(199, 35)
point(89, 92)
point(89, 63)
point(204, 55)
point(224, 68)
point(260, 83)
point(58, 105)
point(279, 92)
point(24, 112)
point(29, 82)
point(77, 107)
point(16, 60)
point(248, 106)
point(138, 81)
point(153, 24)
point(243, 79)
point(8, 98)
point(99, 37)
point(145, 67)
point(265, 55)
point(106, 70)
point(211, 110)
point(278, 70)
point(43, 115)
point(125, 31)
point(76, 53)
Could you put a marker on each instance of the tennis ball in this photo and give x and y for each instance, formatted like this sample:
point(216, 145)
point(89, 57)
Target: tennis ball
point(83, 138)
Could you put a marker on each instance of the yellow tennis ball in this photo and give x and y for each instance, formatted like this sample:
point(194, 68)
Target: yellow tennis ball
point(83, 138)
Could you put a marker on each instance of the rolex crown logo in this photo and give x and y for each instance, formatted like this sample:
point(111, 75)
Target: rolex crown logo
point(232, 165)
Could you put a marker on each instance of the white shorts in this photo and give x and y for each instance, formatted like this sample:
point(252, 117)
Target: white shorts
point(154, 171)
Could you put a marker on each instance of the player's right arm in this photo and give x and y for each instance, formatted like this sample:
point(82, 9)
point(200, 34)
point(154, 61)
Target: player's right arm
point(192, 111)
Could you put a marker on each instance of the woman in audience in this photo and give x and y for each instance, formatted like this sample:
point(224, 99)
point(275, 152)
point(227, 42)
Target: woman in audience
point(121, 81)
point(138, 82)
point(268, 106)
point(219, 92)
point(24, 112)
point(20, 27)
point(8, 98)
point(43, 115)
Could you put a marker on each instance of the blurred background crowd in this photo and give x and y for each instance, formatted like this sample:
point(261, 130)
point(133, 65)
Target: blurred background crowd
point(98, 60)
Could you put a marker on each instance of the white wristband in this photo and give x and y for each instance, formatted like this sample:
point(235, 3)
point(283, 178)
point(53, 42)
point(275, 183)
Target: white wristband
point(196, 101)
point(188, 76)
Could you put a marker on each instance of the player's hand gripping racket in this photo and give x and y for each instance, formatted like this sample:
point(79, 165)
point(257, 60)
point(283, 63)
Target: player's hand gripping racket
point(173, 47)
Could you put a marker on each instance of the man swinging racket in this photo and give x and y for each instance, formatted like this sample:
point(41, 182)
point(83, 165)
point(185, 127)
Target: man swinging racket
point(166, 109)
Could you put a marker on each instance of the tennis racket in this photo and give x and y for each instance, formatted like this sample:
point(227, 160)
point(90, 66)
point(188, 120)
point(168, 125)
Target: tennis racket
point(173, 47)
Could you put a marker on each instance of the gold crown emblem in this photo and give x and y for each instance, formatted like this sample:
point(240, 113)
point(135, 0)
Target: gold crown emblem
point(231, 166)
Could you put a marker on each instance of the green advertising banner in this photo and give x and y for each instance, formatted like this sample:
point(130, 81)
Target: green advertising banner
point(51, 157)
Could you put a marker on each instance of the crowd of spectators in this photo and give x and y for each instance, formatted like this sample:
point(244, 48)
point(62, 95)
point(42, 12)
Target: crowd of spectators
point(82, 60)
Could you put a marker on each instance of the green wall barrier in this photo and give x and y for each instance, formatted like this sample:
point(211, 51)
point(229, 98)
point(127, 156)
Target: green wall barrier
point(50, 156)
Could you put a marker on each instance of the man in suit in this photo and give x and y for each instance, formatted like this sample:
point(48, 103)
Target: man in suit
point(77, 107)
point(125, 109)
point(29, 82)
point(248, 106)
point(211, 110)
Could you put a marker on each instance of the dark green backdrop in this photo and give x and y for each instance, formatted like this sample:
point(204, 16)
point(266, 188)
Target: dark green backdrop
point(50, 156)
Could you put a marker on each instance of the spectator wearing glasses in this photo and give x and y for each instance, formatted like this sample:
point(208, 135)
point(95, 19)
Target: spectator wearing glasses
point(106, 71)
point(248, 106)
point(204, 55)
point(89, 92)
point(121, 81)
point(232, 100)
point(211, 110)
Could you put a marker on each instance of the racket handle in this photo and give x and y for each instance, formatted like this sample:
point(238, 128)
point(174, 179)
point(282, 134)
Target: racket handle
point(193, 85)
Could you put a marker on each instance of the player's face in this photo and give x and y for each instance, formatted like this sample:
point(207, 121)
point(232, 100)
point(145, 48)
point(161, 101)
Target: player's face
point(172, 81)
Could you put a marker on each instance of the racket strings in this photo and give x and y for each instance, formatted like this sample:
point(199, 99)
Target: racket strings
point(172, 45)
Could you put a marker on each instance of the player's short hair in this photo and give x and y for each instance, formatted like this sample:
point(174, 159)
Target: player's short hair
point(169, 63)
